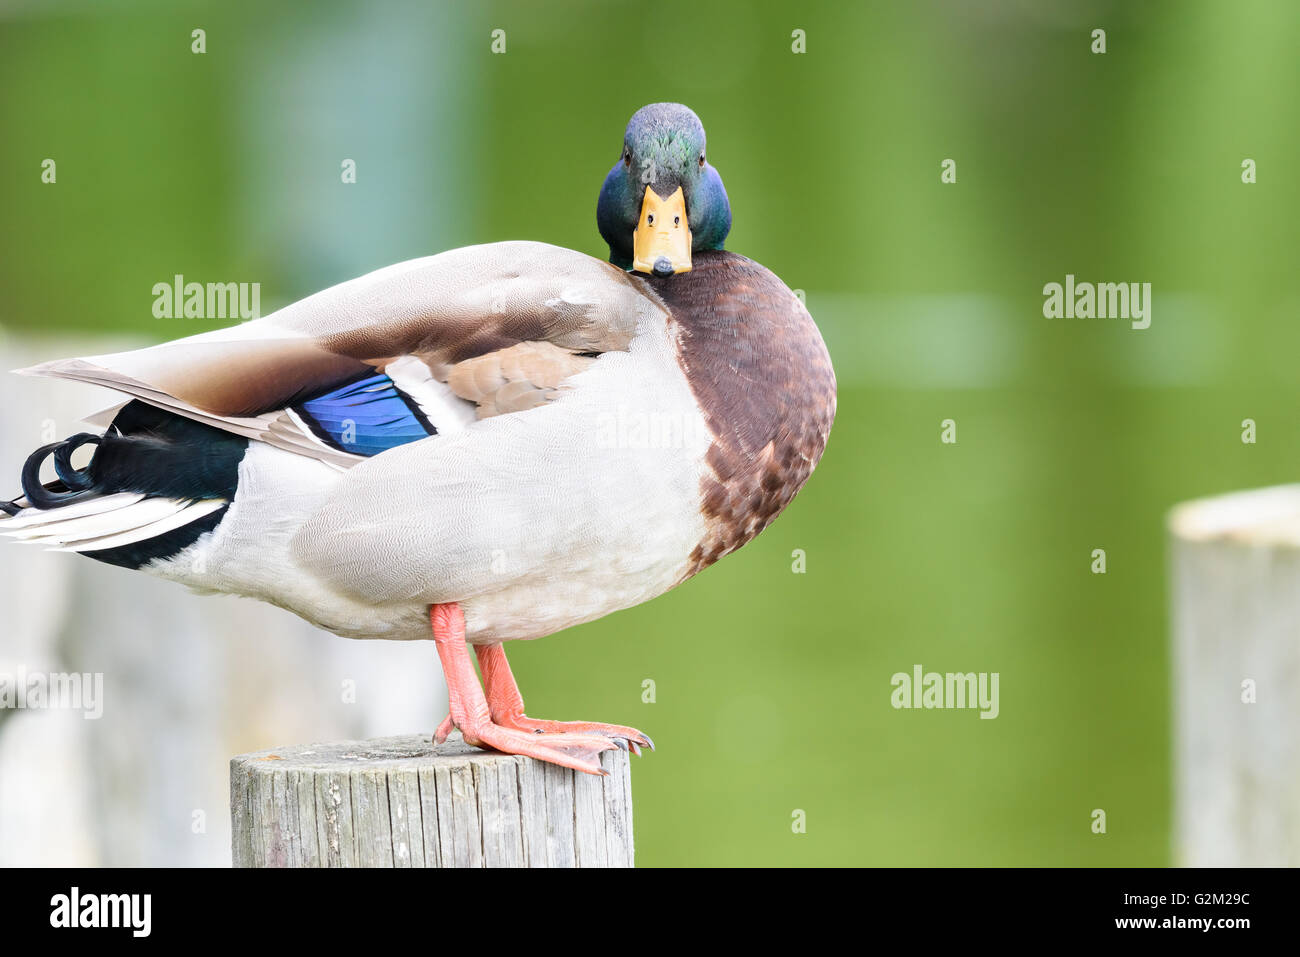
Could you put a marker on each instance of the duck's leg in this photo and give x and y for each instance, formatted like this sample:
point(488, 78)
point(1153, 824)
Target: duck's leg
point(470, 711)
point(506, 706)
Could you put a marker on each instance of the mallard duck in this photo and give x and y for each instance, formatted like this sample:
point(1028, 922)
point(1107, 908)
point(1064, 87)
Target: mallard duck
point(489, 444)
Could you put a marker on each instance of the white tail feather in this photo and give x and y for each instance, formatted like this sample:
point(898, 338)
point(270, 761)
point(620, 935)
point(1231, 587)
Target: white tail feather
point(97, 525)
point(30, 517)
point(189, 513)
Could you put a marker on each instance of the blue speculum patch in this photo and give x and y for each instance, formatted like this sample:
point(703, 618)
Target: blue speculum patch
point(366, 417)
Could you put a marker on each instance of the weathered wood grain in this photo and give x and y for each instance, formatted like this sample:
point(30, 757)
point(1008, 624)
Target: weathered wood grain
point(401, 802)
point(1235, 570)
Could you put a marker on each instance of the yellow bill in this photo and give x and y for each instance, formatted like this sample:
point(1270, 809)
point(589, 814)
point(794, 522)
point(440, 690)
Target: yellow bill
point(661, 242)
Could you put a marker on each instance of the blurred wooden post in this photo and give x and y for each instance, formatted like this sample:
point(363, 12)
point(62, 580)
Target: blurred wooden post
point(1236, 630)
point(399, 802)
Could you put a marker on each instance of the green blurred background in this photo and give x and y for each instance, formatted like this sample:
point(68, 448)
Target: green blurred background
point(773, 688)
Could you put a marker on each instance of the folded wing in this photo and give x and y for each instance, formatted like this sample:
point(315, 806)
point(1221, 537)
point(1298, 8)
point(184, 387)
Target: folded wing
point(413, 350)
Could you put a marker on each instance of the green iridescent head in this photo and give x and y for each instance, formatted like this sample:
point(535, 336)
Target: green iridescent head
point(662, 200)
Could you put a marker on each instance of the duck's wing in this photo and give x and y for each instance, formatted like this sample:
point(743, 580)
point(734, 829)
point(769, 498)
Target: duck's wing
point(412, 350)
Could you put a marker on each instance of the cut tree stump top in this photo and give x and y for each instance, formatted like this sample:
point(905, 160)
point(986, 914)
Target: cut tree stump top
point(1261, 516)
point(401, 802)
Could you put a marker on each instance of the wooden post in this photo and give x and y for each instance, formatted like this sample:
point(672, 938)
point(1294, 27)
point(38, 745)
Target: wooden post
point(1236, 627)
point(400, 802)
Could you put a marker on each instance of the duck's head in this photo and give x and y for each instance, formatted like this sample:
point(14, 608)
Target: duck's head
point(662, 200)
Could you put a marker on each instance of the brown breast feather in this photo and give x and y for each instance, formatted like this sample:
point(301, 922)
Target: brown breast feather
point(761, 374)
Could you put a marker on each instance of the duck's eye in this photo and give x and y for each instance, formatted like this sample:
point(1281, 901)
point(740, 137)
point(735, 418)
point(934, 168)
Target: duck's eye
point(701, 161)
point(649, 219)
point(677, 220)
